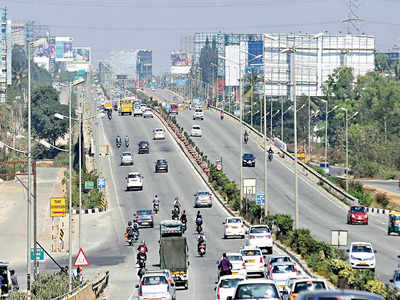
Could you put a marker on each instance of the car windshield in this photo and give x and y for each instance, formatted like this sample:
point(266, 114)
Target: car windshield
point(196, 127)
point(309, 286)
point(199, 110)
point(144, 212)
point(158, 130)
point(126, 154)
point(283, 269)
point(133, 175)
point(248, 156)
point(361, 248)
point(234, 220)
point(358, 209)
point(203, 193)
point(154, 280)
point(235, 257)
point(143, 143)
point(256, 290)
point(280, 259)
point(252, 252)
point(230, 283)
point(259, 229)
point(161, 162)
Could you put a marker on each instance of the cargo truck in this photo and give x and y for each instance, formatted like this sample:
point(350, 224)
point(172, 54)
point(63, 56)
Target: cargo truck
point(126, 106)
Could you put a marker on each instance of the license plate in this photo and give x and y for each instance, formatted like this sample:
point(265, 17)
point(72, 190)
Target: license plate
point(235, 273)
point(252, 261)
point(155, 298)
point(363, 263)
point(145, 223)
point(234, 227)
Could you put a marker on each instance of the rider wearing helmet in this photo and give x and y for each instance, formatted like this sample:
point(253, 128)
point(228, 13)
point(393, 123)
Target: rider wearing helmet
point(199, 219)
point(183, 217)
point(126, 139)
point(156, 200)
point(142, 247)
point(129, 230)
point(177, 203)
point(118, 139)
point(201, 239)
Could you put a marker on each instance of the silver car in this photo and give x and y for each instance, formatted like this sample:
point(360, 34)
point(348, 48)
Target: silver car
point(203, 199)
point(126, 158)
point(156, 286)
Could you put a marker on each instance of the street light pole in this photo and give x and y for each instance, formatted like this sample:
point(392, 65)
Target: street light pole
point(80, 173)
point(265, 145)
point(70, 192)
point(28, 216)
point(241, 132)
point(347, 149)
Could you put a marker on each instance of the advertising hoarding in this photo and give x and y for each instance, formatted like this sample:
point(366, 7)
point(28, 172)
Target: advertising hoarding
point(42, 61)
point(81, 59)
point(255, 49)
point(180, 62)
point(64, 49)
point(232, 65)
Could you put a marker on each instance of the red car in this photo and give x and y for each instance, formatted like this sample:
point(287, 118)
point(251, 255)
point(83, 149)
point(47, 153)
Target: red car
point(357, 214)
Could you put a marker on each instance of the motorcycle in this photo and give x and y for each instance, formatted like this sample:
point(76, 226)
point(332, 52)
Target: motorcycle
point(142, 260)
point(175, 215)
point(129, 239)
point(246, 139)
point(109, 114)
point(156, 207)
point(177, 209)
point(141, 272)
point(199, 229)
point(126, 144)
point(118, 145)
point(202, 249)
point(270, 156)
point(135, 234)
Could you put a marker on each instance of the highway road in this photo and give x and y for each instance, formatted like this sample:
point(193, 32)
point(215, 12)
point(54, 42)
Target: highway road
point(319, 211)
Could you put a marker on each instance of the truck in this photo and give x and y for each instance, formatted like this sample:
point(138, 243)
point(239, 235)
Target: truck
point(125, 106)
point(173, 108)
point(174, 252)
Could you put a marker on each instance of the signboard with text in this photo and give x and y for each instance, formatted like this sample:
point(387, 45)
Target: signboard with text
point(58, 207)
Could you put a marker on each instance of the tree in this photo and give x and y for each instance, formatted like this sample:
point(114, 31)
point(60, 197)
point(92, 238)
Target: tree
point(208, 61)
point(382, 63)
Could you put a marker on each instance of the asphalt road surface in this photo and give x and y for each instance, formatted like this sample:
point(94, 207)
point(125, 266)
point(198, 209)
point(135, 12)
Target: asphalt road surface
point(388, 185)
point(318, 210)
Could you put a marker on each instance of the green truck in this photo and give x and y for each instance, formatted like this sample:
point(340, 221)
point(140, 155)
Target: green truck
point(174, 256)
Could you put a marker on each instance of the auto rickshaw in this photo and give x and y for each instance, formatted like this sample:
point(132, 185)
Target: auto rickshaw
point(394, 222)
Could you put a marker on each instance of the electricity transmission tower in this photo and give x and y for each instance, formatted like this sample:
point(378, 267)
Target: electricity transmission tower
point(353, 16)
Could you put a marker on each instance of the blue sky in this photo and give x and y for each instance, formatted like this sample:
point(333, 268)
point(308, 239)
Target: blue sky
point(106, 25)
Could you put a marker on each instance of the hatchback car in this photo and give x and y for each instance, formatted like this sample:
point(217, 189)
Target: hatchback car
point(143, 147)
point(226, 286)
point(253, 260)
point(357, 214)
point(196, 131)
point(255, 289)
point(161, 166)
point(126, 158)
point(198, 114)
point(362, 256)
point(144, 218)
point(167, 274)
point(292, 290)
point(280, 258)
point(248, 160)
point(158, 134)
point(148, 113)
point(134, 181)
point(281, 272)
point(155, 286)
point(234, 226)
point(203, 198)
point(260, 236)
point(238, 265)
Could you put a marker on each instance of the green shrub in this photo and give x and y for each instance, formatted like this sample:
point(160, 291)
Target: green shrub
point(61, 159)
point(382, 199)
point(284, 223)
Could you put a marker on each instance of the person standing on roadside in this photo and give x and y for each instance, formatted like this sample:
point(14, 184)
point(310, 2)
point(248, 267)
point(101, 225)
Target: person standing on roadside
point(14, 281)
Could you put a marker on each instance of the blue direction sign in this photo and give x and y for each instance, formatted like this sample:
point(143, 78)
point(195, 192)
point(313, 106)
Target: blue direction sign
point(101, 183)
point(39, 254)
point(260, 200)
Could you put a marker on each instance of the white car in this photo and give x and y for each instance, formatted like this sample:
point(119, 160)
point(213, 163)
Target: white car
point(148, 113)
point(362, 256)
point(234, 226)
point(137, 111)
point(196, 131)
point(260, 236)
point(253, 260)
point(158, 134)
point(281, 272)
point(198, 114)
point(134, 181)
point(126, 158)
point(155, 286)
point(226, 286)
point(238, 265)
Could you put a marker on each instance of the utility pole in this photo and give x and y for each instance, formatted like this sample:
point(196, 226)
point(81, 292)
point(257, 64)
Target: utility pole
point(70, 191)
point(28, 215)
point(265, 142)
point(241, 131)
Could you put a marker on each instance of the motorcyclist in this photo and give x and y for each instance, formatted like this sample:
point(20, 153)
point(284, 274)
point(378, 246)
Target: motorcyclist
point(142, 248)
point(270, 153)
point(225, 266)
point(200, 239)
point(135, 228)
point(118, 140)
point(246, 136)
point(126, 140)
point(129, 230)
point(175, 214)
point(177, 205)
point(199, 219)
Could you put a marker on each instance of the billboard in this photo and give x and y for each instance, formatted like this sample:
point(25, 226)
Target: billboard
point(81, 59)
point(64, 49)
point(180, 62)
point(255, 55)
point(232, 65)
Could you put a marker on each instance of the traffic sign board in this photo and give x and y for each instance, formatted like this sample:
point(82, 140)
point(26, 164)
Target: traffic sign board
point(101, 183)
point(89, 185)
point(81, 259)
point(58, 207)
point(260, 200)
point(39, 254)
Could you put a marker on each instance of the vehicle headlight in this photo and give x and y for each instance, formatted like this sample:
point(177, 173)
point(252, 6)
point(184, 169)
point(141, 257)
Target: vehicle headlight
point(353, 215)
point(354, 257)
point(372, 258)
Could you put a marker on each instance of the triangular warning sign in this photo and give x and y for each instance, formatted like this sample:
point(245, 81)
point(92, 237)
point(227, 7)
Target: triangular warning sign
point(81, 259)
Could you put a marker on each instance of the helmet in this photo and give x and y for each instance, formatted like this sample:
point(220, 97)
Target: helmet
point(198, 213)
point(176, 198)
point(143, 242)
point(155, 196)
point(129, 223)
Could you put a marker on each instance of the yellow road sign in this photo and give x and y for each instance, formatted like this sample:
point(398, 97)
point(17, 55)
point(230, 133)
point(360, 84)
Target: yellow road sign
point(58, 207)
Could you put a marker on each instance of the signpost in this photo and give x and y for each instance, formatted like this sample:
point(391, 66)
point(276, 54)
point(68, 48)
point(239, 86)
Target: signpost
point(58, 207)
point(339, 238)
point(260, 199)
point(89, 185)
point(39, 254)
point(101, 183)
point(81, 259)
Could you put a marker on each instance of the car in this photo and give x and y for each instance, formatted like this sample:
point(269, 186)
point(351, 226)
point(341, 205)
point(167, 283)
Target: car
point(126, 158)
point(156, 286)
point(148, 114)
point(226, 286)
point(253, 260)
point(281, 272)
point(145, 218)
point(395, 280)
point(338, 295)
point(248, 160)
point(166, 272)
point(158, 134)
point(292, 290)
point(198, 114)
point(238, 265)
point(161, 166)
point(196, 131)
point(203, 198)
point(260, 236)
point(234, 226)
point(357, 214)
point(134, 181)
point(143, 147)
point(6, 285)
point(255, 289)
point(137, 111)
point(277, 258)
point(362, 256)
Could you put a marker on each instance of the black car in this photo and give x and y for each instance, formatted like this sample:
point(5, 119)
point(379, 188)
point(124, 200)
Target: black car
point(161, 166)
point(248, 160)
point(144, 147)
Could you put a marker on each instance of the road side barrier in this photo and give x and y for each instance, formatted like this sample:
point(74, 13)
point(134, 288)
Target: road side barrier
point(82, 292)
point(99, 286)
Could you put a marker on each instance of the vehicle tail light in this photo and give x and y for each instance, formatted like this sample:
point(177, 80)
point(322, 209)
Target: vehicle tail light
point(268, 236)
point(270, 275)
point(140, 289)
point(243, 266)
point(296, 270)
point(252, 236)
point(152, 218)
point(242, 225)
point(218, 295)
point(261, 260)
point(226, 226)
point(209, 197)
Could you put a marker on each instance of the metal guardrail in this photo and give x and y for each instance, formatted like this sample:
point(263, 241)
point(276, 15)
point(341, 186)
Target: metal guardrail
point(306, 167)
point(72, 293)
point(101, 284)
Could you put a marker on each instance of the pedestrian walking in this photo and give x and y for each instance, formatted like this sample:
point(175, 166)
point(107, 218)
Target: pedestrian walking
point(14, 281)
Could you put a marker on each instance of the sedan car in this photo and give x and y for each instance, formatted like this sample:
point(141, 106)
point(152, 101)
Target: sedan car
point(134, 181)
point(292, 290)
point(253, 260)
point(281, 272)
point(234, 226)
point(158, 134)
point(260, 236)
point(248, 160)
point(238, 265)
point(144, 217)
point(155, 286)
point(161, 166)
point(362, 256)
point(203, 198)
point(126, 158)
point(255, 289)
point(148, 114)
point(226, 286)
point(280, 258)
point(357, 214)
point(143, 147)
point(196, 131)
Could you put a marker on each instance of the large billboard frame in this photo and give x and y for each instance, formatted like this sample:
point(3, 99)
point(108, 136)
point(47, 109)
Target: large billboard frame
point(64, 49)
